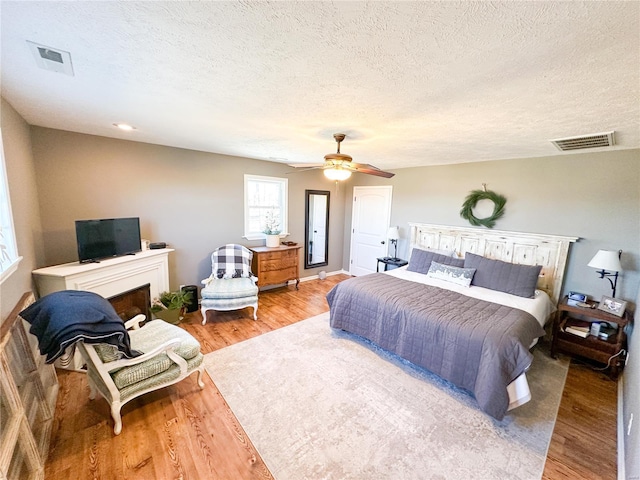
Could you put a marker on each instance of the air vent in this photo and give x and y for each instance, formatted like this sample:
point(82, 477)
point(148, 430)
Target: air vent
point(52, 59)
point(595, 140)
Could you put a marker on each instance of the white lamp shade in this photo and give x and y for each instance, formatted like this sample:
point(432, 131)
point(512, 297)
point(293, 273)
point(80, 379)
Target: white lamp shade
point(337, 173)
point(606, 260)
point(393, 233)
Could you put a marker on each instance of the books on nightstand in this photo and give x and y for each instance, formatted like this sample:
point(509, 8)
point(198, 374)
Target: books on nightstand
point(577, 327)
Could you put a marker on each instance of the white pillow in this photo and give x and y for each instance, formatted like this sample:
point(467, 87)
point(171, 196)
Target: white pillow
point(457, 275)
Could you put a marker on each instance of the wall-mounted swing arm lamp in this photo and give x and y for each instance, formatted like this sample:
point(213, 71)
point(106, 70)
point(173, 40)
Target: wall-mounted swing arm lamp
point(608, 263)
point(393, 235)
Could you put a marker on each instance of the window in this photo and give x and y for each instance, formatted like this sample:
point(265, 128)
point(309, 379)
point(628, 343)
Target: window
point(8, 251)
point(264, 198)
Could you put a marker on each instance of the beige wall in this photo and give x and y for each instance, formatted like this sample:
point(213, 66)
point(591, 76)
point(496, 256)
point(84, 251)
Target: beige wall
point(24, 202)
point(593, 196)
point(191, 200)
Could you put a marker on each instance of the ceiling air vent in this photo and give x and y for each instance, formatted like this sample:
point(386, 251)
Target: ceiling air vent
point(54, 60)
point(595, 140)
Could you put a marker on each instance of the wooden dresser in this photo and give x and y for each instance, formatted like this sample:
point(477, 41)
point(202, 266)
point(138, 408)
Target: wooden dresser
point(276, 265)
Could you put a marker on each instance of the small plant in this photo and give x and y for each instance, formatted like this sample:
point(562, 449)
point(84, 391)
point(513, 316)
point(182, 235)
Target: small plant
point(172, 301)
point(271, 224)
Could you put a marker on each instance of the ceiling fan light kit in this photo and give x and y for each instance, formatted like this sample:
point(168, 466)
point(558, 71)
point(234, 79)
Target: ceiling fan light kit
point(337, 173)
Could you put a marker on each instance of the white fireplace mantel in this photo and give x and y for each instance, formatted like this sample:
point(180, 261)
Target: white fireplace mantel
point(109, 277)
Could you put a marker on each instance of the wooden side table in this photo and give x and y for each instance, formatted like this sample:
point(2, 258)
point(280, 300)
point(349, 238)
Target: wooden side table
point(390, 263)
point(601, 351)
point(276, 265)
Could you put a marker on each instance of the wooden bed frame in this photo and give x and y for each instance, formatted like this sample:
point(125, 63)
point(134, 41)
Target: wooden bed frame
point(550, 251)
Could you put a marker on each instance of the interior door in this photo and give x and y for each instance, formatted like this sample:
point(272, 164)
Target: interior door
point(369, 225)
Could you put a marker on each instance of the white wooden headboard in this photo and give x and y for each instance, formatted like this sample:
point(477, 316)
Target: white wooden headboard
point(550, 251)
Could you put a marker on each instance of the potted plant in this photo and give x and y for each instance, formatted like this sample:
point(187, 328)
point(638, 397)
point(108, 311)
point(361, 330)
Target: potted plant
point(171, 306)
point(271, 230)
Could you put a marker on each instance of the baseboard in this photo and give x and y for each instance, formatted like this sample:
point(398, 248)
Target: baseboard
point(305, 279)
point(621, 429)
point(315, 277)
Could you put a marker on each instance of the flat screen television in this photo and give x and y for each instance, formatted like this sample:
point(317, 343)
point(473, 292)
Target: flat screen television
point(105, 238)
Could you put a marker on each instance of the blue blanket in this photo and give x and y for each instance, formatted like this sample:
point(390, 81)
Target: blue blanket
point(61, 319)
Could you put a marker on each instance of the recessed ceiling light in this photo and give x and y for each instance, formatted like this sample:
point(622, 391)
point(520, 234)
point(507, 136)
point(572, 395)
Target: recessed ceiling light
point(124, 126)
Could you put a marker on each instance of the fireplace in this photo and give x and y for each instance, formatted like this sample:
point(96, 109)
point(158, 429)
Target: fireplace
point(133, 302)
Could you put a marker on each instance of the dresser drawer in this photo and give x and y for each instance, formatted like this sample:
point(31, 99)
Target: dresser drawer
point(277, 276)
point(280, 264)
point(283, 255)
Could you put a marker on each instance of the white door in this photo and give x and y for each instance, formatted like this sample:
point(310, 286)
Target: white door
point(369, 226)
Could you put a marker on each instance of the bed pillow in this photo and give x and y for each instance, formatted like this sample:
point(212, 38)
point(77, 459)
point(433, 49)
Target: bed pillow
point(420, 260)
point(448, 273)
point(448, 253)
point(520, 280)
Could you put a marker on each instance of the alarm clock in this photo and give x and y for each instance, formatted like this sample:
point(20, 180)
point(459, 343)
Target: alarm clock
point(577, 299)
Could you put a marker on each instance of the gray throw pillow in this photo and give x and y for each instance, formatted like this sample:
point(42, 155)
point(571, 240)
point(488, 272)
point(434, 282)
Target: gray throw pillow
point(420, 260)
point(520, 280)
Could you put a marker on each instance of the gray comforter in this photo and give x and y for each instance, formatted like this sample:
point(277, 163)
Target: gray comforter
point(476, 345)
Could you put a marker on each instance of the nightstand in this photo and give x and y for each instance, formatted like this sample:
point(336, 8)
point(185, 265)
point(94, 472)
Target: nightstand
point(590, 347)
point(390, 263)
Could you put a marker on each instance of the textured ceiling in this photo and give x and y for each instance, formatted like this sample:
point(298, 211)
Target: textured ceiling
point(411, 83)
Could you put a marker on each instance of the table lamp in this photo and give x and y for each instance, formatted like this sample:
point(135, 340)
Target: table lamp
point(394, 235)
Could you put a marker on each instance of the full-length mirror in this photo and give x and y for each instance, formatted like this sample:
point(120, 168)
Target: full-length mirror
point(316, 232)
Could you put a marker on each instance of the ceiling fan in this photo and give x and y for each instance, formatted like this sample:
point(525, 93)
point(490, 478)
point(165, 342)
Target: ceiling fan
point(338, 166)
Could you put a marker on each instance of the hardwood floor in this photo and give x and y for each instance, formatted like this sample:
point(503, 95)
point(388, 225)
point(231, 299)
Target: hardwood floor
point(184, 432)
point(584, 442)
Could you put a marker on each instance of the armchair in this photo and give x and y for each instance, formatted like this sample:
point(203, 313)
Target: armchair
point(170, 354)
point(231, 285)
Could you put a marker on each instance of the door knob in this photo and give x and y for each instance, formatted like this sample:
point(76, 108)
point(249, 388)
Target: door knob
point(382, 242)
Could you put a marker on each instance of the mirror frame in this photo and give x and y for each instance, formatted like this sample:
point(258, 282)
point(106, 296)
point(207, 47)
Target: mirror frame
point(307, 229)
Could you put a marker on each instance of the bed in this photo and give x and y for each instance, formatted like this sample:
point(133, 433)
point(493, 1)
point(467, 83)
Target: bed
point(468, 307)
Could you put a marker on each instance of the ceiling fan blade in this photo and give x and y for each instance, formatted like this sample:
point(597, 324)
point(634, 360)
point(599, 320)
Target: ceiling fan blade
point(306, 165)
point(368, 169)
point(300, 169)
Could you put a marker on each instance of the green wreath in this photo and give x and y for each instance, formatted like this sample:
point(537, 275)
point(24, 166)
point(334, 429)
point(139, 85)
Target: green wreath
point(473, 198)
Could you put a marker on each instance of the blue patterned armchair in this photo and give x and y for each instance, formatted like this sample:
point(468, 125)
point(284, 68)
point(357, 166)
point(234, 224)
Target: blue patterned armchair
point(231, 285)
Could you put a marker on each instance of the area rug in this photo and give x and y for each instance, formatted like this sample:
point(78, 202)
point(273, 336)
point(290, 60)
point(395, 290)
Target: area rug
point(325, 404)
